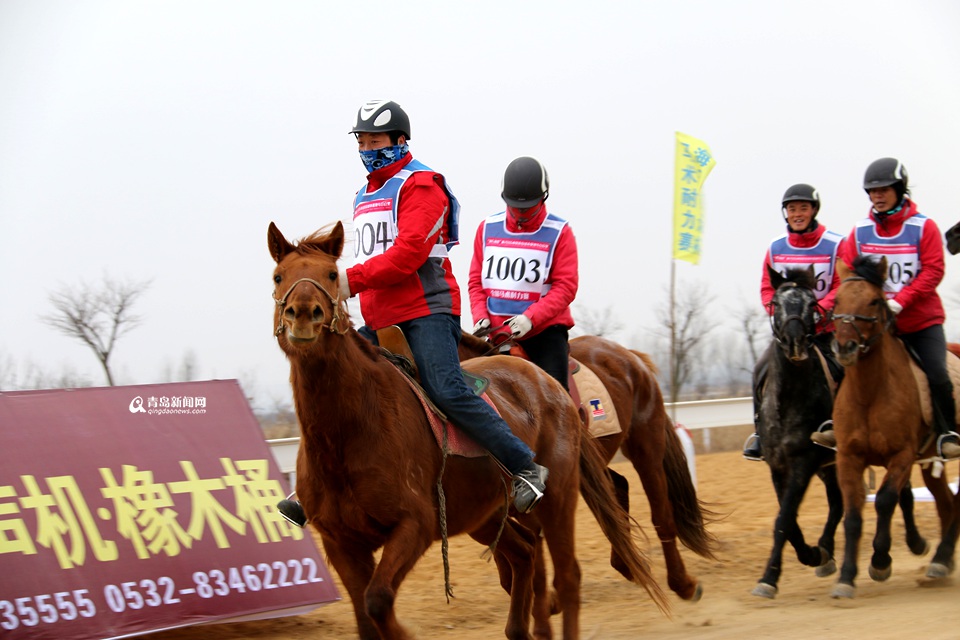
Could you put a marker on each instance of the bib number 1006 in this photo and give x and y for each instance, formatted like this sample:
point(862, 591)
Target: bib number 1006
point(372, 238)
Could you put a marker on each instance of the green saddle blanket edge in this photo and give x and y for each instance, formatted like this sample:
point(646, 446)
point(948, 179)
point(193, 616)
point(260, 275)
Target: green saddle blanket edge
point(477, 384)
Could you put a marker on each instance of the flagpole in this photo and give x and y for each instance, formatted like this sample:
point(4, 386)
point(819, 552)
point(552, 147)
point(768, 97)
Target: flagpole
point(673, 342)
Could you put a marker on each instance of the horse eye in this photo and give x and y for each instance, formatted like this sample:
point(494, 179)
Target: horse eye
point(277, 278)
point(333, 276)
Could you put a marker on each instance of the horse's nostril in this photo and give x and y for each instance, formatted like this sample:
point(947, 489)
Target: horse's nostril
point(289, 313)
point(317, 313)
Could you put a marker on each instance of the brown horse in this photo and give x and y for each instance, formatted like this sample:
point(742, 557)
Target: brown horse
point(878, 420)
point(648, 439)
point(371, 476)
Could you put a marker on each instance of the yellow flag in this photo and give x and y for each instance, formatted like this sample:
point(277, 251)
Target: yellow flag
point(693, 164)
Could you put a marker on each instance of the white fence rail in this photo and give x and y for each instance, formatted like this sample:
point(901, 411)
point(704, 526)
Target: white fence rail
point(698, 414)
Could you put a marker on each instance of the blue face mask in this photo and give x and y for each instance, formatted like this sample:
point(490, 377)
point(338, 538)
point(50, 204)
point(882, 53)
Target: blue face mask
point(379, 158)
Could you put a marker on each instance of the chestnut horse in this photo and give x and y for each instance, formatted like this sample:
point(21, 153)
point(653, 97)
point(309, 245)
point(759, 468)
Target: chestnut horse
point(369, 469)
point(878, 420)
point(648, 439)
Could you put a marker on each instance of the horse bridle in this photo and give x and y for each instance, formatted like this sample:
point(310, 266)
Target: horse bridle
point(863, 344)
point(778, 329)
point(335, 319)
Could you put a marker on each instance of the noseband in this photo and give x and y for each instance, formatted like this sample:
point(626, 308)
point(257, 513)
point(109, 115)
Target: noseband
point(863, 344)
point(335, 320)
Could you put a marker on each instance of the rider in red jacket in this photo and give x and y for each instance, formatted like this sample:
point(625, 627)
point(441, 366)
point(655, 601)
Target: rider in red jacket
point(524, 271)
point(913, 247)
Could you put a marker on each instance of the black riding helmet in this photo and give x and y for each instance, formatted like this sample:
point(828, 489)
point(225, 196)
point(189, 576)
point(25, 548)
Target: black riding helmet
point(802, 193)
point(525, 183)
point(886, 172)
point(382, 116)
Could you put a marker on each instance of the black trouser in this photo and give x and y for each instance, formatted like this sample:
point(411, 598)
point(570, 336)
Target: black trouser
point(550, 351)
point(930, 347)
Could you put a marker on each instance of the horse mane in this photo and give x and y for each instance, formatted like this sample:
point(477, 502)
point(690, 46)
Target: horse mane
point(314, 243)
point(870, 269)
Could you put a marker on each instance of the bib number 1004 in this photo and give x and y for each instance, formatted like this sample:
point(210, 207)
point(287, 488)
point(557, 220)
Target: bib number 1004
point(372, 238)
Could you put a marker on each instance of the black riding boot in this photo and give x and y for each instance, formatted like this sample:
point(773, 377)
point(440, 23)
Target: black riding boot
point(944, 420)
point(751, 448)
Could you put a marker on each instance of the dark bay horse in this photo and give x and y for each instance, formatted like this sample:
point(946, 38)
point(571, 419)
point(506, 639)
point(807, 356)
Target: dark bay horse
point(795, 399)
point(370, 474)
point(648, 439)
point(878, 420)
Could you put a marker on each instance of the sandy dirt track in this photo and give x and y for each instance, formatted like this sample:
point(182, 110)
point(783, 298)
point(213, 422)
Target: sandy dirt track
point(907, 605)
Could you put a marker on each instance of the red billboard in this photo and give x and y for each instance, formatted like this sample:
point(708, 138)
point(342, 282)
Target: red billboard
point(127, 510)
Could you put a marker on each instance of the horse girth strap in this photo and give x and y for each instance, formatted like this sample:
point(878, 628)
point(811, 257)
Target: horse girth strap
point(831, 383)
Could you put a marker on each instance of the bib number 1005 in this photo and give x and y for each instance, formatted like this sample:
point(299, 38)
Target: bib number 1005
point(372, 238)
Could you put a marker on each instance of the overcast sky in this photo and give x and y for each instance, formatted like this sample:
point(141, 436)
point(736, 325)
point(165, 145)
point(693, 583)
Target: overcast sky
point(157, 140)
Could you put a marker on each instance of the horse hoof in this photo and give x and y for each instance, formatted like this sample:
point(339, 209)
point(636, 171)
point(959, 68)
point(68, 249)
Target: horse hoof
point(920, 548)
point(879, 575)
point(697, 594)
point(764, 590)
point(842, 590)
point(938, 570)
point(828, 568)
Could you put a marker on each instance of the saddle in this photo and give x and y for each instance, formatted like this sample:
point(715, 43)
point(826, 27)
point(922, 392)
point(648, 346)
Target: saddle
point(450, 438)
point(597, 413)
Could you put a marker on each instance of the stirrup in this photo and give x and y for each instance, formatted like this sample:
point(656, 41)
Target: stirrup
point(751, 448)
point(820, 437)
point(950, 437)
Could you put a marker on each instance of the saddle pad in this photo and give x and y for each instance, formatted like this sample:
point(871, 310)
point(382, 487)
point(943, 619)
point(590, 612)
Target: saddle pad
point(458, 442)
point(597, 403)
point(953, 368)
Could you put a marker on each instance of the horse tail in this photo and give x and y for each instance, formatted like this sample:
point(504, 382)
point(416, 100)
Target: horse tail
point(598, 492)
point(690, 515)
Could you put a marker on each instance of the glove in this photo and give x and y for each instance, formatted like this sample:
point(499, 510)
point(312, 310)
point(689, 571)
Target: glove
point(344, 285)
point(895, 306)
point(482, 325)
point(520, 325)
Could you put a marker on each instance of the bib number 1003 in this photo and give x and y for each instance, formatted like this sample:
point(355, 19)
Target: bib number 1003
point(372, 238)
point(518, 269)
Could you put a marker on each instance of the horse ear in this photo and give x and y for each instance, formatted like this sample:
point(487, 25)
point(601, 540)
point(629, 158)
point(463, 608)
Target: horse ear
point(843, 270)
point(278, 245)
point(882, 268)
point(775, 278)
point(335, 246)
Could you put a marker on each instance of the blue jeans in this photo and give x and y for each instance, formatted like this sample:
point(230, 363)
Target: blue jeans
point(433, 340)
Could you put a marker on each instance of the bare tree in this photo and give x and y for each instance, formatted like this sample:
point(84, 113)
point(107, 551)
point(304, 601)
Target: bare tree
point(689, 326)
point(97, 316)
point(753, 322)
point(596, 322)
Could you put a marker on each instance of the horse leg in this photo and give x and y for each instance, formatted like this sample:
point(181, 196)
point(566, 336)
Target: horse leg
point(828, 475)
point(355, 565)
point(407, 543)
point(897, 476)
point(648, 460)
point(948, 508)
point(917, 544)
point(515, 565)
point(557, 516)
point(850, 477)
point(622, 488)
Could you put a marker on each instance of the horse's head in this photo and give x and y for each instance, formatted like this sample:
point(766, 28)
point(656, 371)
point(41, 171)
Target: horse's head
point(306, 287)
point(795, 311)
point(860, 311)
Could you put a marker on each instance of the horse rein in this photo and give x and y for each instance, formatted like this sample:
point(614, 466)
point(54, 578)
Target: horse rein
point(335, 320)
point(863, 344)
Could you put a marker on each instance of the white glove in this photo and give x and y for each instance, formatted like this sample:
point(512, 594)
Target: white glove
point(895, 306)
point(482, 324)
point(520, 325)
point(344, 285)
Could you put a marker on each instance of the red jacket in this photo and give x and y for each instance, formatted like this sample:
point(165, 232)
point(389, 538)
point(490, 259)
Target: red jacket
point(564, 278)
point(389, 286)
point(921, 303)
